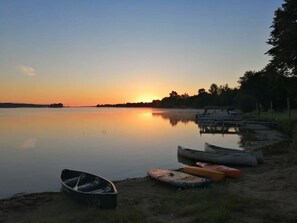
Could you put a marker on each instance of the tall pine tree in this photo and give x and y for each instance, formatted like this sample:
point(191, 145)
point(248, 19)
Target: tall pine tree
point(283, 39)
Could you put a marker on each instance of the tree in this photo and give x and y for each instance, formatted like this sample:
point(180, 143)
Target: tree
point(185, 95)
point(226, 95)
point(214, 89)
point(173, 94)
point(201, 91)
point(283, 39)
point(256, 84)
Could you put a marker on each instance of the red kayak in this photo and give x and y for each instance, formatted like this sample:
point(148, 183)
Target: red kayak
point(229, 172)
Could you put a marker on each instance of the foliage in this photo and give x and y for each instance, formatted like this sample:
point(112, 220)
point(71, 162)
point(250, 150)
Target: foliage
point(246, 102)
point(257, 86)
point(283, 39)
point(218, 95)
point(214, 89)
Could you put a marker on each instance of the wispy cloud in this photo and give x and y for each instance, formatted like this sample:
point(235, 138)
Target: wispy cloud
point(29, 143)
point(26, 70)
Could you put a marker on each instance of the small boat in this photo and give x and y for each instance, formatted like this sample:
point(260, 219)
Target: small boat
point(178, 179)
point(89, 188)
point(213, 175)
point(229, 172)
point(218, 158)
point(212, 148)
point(219, 114)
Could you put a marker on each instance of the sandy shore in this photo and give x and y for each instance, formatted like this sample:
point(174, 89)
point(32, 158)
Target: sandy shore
point(267, 193)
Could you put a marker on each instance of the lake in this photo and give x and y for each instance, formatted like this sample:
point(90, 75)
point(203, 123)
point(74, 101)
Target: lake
point(117, 143)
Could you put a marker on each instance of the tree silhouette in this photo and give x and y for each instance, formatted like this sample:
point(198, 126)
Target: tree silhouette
point(173, 94)
point(214, 89)
point(283, 39)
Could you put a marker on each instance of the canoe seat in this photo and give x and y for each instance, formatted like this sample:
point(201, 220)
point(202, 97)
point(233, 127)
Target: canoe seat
point(103, 190)
point(90, 186)
point(71, 181)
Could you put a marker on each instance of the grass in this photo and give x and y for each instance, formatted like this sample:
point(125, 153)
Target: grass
point(286, 123)
point(214, 204)
point(279, 116)
point(96, 215)
point(202, 205)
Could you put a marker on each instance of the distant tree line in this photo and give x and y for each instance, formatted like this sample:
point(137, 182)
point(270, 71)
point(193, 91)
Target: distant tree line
point(275, 86)
point(25, 105)
point(56, 105)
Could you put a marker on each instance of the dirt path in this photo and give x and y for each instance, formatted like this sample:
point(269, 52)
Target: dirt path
point(267, 193)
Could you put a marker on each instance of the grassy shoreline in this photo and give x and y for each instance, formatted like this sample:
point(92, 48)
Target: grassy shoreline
point(286, 122)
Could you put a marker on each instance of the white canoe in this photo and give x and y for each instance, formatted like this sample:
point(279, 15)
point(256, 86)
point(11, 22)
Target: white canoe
point(218, 158)
point(212, 148)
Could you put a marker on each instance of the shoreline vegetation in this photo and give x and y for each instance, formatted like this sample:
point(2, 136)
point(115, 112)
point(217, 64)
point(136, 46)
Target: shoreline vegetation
point(262, 194)
point(27, 105)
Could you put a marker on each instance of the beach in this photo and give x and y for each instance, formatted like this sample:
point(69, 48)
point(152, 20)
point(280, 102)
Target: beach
point(266, 193)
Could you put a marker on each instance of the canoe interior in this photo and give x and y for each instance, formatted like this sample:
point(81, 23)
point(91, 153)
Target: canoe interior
point(89, 188)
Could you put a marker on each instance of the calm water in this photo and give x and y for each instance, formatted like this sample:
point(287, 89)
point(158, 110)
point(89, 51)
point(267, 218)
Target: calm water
point(118, 143)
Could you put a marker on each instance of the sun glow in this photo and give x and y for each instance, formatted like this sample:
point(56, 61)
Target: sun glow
point(146, 98)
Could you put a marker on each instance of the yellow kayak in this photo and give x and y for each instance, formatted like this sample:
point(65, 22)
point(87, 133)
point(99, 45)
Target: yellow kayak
point(202, 172)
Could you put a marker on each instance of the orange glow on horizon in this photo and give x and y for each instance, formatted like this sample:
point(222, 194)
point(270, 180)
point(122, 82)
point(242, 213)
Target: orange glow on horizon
point(76, 94)
point(146, 98)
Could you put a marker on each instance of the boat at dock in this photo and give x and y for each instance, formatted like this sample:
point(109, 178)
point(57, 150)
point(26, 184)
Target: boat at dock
point(219, 115)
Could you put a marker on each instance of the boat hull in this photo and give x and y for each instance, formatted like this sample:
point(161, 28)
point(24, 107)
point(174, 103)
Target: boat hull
point(90, 189)
point(219, 114)
point(218, 158)
point(229, 171)
point(212, 148)
point(213, 175)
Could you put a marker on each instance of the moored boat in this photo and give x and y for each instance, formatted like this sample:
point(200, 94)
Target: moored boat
point(219, 114)
point(218, 158)
point(178, 179)
point(89, 188)
point(213, 175)
point(229, 171)
point(212, 148)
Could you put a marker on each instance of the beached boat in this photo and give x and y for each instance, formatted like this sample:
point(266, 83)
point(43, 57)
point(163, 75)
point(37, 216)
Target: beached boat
point(212, 148)
point(229, 171)
point(218, 158)
point(178, 179)
point(89, 188)
point(213, 175)
point(219, 114)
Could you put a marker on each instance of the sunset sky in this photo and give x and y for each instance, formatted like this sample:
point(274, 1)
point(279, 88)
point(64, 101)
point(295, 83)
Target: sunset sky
point(88, 52)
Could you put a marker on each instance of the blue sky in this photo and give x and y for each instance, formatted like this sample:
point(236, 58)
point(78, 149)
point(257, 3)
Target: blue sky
point(89, 52)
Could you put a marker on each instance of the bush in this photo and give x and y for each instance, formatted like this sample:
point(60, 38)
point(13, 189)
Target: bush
point(245, 102)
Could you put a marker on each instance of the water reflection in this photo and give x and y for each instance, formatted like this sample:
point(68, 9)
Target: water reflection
point(29, 143)
point(177, 116)
point(218, 129)
point(36, 144)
